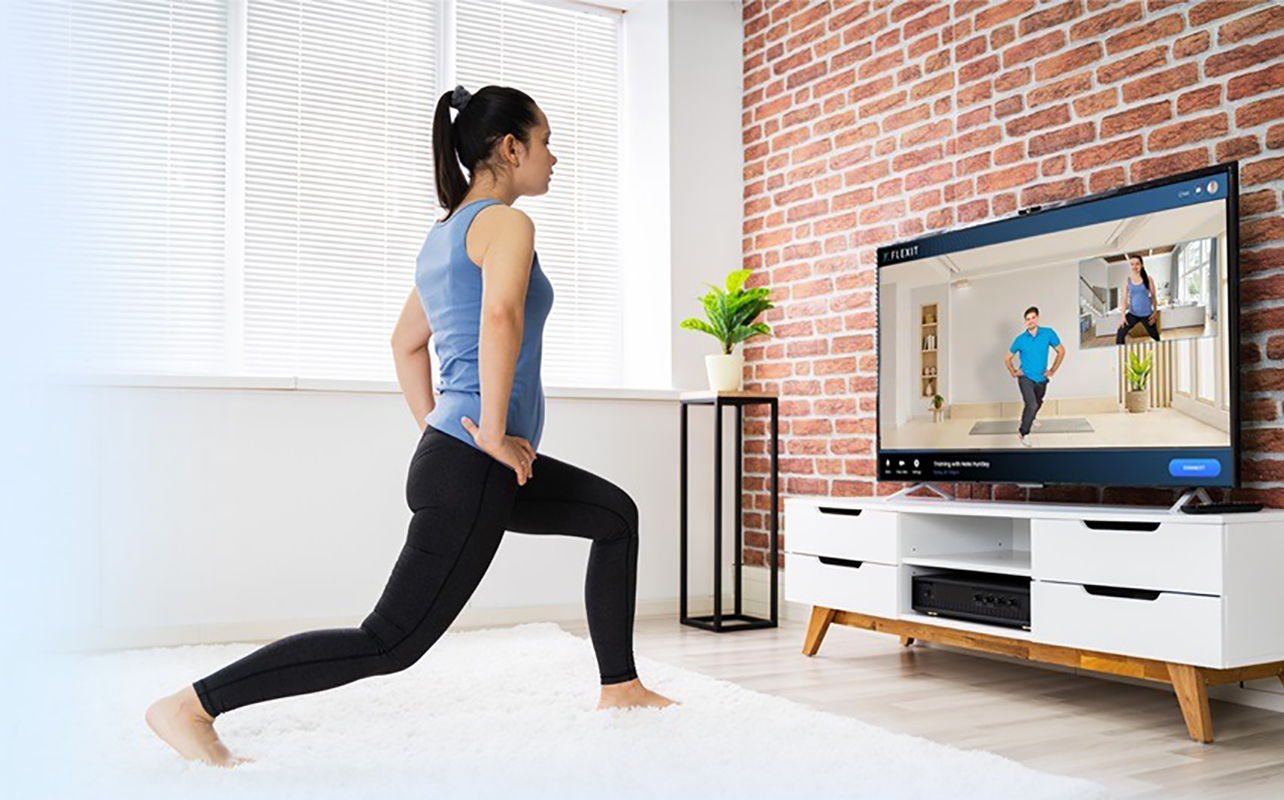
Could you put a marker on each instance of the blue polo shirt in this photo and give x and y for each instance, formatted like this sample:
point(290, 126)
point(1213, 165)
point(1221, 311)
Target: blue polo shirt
point(1033, 351)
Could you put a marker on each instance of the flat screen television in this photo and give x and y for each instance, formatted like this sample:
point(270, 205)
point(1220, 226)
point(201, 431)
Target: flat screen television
point(1031, 350)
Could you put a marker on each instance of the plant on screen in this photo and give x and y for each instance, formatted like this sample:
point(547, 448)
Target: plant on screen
point(1138, 371)
point(732, 312)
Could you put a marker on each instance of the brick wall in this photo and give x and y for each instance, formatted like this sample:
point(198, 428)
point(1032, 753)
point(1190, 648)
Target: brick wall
point(871, 122)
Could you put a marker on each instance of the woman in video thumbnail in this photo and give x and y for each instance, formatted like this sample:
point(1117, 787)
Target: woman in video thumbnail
point(1139, 303)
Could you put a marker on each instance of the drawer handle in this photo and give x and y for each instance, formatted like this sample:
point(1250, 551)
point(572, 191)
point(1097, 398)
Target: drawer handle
point(840, 562)
point(851, 512)
point(1116, 591)
point(1119, 525)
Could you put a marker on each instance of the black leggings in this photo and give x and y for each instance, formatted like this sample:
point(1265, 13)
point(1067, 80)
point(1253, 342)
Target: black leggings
point(463, 500)
point(1131, 320)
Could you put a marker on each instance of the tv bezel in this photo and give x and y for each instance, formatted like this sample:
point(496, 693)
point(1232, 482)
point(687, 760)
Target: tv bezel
point(1229, 169)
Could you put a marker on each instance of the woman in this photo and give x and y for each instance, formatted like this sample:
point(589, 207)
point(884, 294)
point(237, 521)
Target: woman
point(1139, 303)
point(472, 475)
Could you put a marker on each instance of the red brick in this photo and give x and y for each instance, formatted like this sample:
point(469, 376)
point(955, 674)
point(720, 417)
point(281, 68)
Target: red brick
point(940, 83)
point(1001, 12)
point(978, 69)
point(1132, 119)
point(1267, 319)
point(1275, 348)
point(1007, 107)
point(1263, 171)
point(1248, 353)
point(1187, 131)
point(1052, 141)
point(1253, 25)
point(1012, 80)
point(1169, 165)
point(1200, 99)
point(1132, 65)
point(1117, 150)
point(1245, 57)
point(1067, 189)
point(1238, 148)
point(1049, 17)
point(1097, 102)
point(1075, 84)
point(1261, 260)
point(984, 137)
point(1068, 61)
point(1191, 45)
point(1001, 37)
point(1047, 118)
point(1260, 231)
point(1254, 114)
point(1252, 203)
point(1275, 137)
point(1096, 27)
point(1107, 179)
point(1009, 153)
point(1268, 379)
point(1030, 49)
point(1205, 13)
point(1153, 31)
point(972, 48)
point(1266, 80)
point(1007, 178)
point(1166, 82)
point(1266, 288)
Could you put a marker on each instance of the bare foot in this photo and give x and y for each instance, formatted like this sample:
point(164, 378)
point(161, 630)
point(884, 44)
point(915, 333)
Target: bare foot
point(630, 695)
point(182, 723)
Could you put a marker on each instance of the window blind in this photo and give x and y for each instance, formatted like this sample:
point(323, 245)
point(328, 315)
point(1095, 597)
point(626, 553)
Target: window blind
point(145, 86)
point(253, 178)
point(567, 59)
point(339, 190)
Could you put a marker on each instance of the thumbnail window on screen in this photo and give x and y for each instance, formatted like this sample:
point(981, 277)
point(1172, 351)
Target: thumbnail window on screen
point(1027, 342)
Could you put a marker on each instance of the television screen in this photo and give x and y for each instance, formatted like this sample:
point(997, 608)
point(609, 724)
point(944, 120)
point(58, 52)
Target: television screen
point(1094, 342)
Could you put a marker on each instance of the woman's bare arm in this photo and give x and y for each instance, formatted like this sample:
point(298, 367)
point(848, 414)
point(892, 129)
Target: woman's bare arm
point(506, 271)
point(410, 357)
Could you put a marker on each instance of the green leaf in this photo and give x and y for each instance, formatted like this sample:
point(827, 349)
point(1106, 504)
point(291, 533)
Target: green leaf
point(737, 279)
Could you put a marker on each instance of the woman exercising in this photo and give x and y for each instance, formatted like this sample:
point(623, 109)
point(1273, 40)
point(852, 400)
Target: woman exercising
point(471, 477)
point(1140, 304)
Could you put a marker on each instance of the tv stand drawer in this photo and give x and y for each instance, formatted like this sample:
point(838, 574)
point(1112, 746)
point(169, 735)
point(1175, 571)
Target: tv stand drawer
point(864, 587)
point(1175, 556)
point(824, 529)
point(1165, 626)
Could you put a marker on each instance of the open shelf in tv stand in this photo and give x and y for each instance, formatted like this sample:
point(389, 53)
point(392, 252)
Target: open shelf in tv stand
point(1216, 617)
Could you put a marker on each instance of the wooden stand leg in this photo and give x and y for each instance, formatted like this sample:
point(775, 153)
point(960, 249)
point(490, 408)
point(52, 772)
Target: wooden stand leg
point(906, 641)
point(1192, 695)
point(820, 619)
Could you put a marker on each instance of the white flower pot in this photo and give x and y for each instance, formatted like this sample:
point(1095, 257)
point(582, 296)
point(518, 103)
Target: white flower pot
point(725, 371)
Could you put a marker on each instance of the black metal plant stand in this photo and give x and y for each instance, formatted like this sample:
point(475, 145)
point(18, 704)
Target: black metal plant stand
point(737, 620)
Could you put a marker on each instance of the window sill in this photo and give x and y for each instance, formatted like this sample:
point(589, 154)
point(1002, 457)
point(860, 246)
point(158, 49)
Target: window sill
point(331, 385)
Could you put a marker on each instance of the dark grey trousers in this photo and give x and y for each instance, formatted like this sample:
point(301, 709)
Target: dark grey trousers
point(1032, 394)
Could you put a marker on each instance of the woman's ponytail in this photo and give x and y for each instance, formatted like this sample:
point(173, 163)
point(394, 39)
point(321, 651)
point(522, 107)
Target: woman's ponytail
point(451, 185)
point(485, 118)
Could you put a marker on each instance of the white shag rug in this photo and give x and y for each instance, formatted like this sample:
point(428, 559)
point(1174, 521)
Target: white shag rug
point(510, 713)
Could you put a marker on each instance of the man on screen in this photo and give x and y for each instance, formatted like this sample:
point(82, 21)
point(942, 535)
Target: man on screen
point(1033, 374)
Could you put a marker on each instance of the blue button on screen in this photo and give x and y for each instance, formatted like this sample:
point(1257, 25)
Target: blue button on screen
point(1194, 468)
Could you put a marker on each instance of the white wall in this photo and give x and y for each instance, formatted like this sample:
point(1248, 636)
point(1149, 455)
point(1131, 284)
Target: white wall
point(987, 316)
point(705, 77)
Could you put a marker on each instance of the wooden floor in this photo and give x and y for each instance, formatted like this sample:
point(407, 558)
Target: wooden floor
point(1129, 738)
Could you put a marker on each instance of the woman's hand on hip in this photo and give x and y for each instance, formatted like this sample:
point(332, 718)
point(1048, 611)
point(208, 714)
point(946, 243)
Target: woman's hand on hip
point(513, 451)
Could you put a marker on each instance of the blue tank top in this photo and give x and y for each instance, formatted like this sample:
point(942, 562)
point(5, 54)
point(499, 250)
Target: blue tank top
point(450, 288)
point(1139, 299)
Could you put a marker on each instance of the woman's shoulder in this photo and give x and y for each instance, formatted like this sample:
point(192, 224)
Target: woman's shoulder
point(501, 220)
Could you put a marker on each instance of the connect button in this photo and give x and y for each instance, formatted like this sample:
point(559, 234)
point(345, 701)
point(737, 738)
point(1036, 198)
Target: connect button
point(1194, 468)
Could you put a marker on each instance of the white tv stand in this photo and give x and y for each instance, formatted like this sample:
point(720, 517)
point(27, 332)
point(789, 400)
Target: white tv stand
point(1210, 597)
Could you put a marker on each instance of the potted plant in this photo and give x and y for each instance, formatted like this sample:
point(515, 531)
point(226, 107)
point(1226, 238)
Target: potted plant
point(937, 403)
point(731, 316)
point(1136, 398)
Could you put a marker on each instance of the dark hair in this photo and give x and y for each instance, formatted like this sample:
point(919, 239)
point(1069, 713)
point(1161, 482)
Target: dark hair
point(1145, 279)
point(1035, 309)
point(488, 116)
